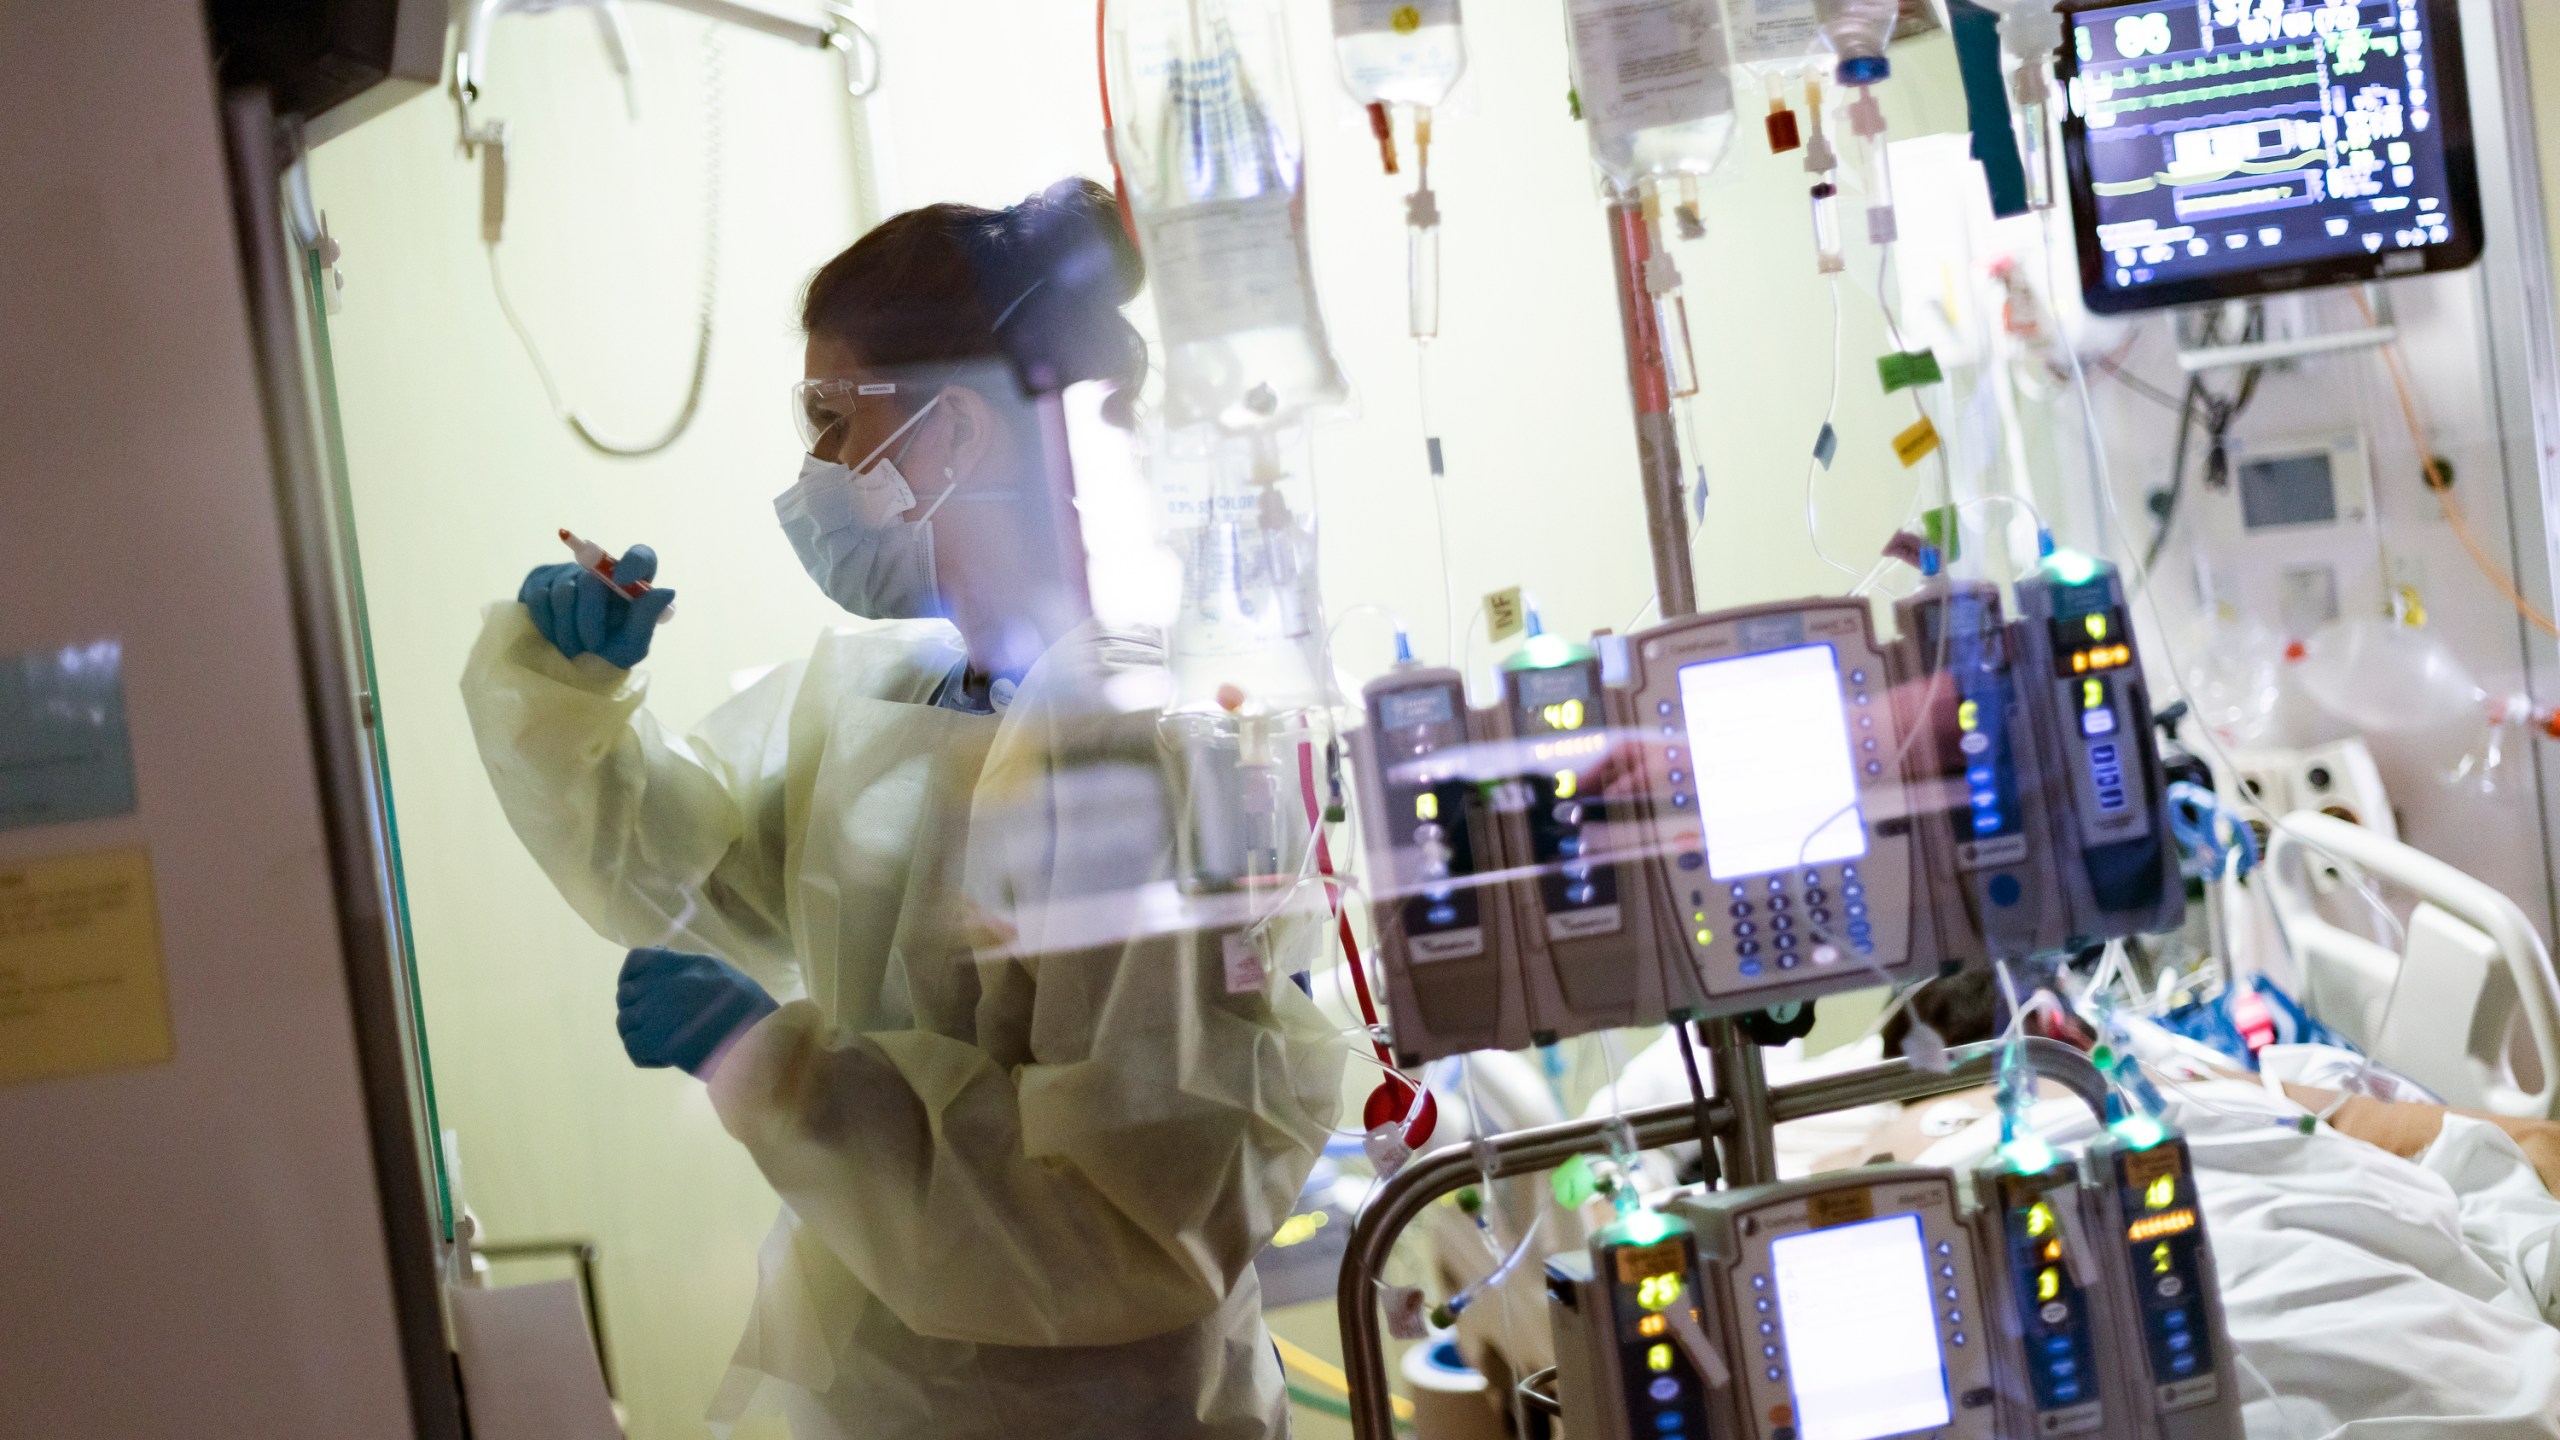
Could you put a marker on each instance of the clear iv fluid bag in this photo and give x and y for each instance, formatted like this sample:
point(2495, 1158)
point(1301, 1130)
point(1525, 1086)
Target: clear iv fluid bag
point(1859, 31)
point(1773, 35)
point(1398, 52)
point(1250, 629)
point(1205, 133)
point(1655, 82)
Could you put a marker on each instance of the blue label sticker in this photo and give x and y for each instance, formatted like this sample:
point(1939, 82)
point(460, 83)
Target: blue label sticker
point(1826, 445)
point(64, 753)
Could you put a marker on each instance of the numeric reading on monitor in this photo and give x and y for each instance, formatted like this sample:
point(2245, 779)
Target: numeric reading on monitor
point(2218, 139)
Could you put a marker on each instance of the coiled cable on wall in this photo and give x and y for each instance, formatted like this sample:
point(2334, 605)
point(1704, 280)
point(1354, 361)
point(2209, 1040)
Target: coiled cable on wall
point(712, 126)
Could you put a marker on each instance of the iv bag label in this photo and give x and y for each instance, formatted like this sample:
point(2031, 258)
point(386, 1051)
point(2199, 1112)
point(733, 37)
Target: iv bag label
point(1504, 614)
point(1770, 31)
point(1225, 268)
point(1649, 63)
point(1392, 17)
point(1245, 973)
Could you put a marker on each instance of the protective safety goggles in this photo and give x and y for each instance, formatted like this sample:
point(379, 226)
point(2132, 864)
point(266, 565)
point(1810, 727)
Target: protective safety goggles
point(824, 409)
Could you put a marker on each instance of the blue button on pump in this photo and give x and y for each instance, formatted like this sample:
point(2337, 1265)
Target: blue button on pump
point(2006, 891)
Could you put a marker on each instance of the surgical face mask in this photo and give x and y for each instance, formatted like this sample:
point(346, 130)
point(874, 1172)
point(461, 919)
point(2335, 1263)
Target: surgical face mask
point(848, 525)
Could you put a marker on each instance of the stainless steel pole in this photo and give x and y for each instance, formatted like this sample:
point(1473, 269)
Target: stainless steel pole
point(1732, 1056)
point(1400, 1200)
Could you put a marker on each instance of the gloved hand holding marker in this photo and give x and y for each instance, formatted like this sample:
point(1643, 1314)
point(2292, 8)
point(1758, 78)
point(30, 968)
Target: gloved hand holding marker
point(598, 605)
point(593, 560)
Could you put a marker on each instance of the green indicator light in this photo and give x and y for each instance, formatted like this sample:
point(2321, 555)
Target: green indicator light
point(2028, 1155)
point(1641, 1227)
point(1546, 652)
point(2140, 1131)
point(2071, 567)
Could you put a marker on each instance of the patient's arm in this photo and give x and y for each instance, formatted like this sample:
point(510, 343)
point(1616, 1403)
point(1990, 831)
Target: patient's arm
point(2405, 1128)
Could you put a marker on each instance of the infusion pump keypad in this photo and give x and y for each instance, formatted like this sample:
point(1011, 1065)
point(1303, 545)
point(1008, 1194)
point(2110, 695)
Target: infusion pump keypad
point(1856, 1309)
point(1773, 755)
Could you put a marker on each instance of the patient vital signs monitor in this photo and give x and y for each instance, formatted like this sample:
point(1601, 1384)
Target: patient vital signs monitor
point(2236, 147)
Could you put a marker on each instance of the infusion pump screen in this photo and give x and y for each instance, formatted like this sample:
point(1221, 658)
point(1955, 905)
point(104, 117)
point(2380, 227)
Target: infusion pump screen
point(1777, 784)
point(1862, 1330)
point(2211, 138)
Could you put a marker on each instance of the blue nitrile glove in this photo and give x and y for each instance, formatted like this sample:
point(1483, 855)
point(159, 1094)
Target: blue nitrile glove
point(679, 1009)
point(581, 615)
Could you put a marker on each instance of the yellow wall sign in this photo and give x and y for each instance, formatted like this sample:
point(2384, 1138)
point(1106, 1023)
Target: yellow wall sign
point(81, 985)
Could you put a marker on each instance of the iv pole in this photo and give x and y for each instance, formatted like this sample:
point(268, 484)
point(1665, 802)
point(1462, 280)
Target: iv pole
point(1750, 1154)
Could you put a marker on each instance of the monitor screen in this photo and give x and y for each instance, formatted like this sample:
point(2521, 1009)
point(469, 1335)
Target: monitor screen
point(1777, 782)
point(1861, 1330)
point(2223, 148)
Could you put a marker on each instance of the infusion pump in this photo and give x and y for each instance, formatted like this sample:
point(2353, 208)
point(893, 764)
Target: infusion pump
point(1903, 1301)
point(1759, 806)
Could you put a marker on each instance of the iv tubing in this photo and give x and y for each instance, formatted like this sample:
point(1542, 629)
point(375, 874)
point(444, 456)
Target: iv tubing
point(2489, 569)
point(1341, 913)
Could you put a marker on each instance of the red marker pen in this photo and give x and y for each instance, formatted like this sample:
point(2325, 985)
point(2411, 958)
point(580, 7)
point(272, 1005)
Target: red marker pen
point(592, 559)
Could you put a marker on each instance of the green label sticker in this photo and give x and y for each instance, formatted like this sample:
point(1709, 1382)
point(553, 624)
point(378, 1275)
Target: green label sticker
point(1907, 368)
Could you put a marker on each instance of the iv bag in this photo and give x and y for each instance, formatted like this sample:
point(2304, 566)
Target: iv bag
point(1656, 86)
point(1398, 52)
point(1859, 31)
point(1773, 35)
point(1250, 633)
point(1206, 139)
point(2380, 676)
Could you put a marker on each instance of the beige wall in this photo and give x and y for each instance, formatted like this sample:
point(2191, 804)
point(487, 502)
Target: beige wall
point(460, 476)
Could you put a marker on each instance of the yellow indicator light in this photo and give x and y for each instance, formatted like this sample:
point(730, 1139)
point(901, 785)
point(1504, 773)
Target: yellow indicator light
point(2079, 661)
point(1968, 716)
point(1658, 1358)
point(1706, 936)
point(1563, 715)
point(2052, 1250)
point(1567, 784)
point(2039, 1219)
point(2152, 1227)
point(2160, 1258)
point(2096, 625)
point(1426, 806)
point(2048, 1283)
point(1656, 1292)
point(2093, 694)
point(1652, 1325)
point(2162, 1193)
